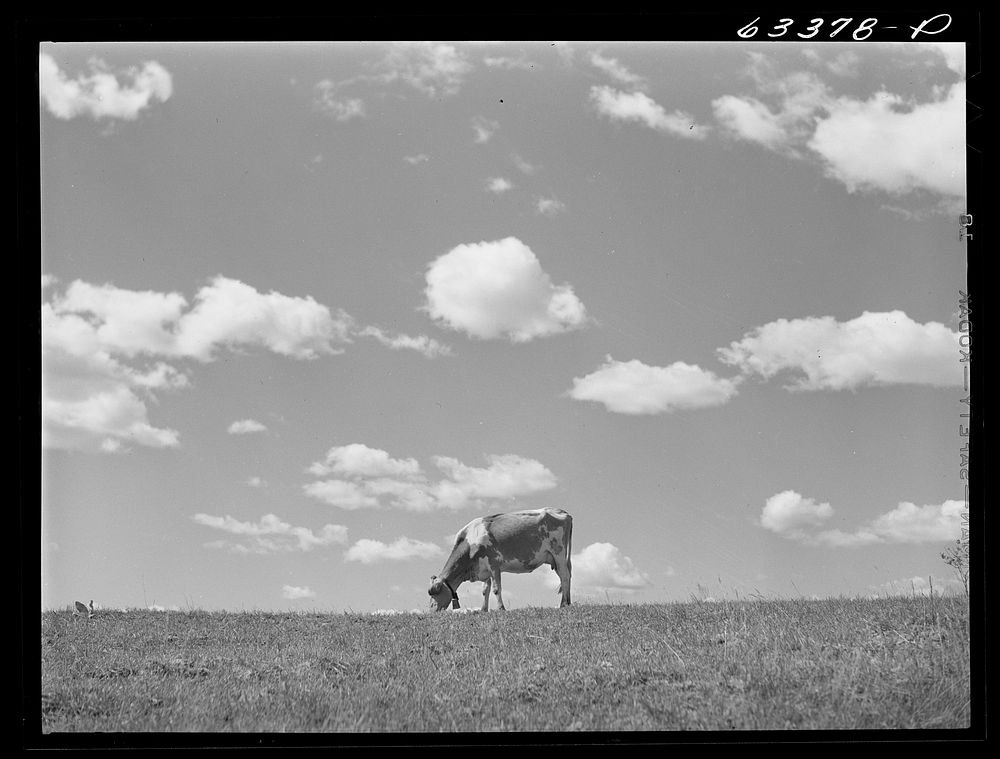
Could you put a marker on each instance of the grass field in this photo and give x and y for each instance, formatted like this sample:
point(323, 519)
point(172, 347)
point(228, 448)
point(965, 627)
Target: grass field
point(765, 664)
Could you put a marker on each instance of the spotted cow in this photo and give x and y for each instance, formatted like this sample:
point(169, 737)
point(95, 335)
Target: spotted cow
point(519, 541)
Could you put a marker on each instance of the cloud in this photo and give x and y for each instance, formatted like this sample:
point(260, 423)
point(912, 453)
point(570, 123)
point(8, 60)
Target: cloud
point(498, 289)
point(919, 586)
point(845, 64)
point(100, 94)
point(799, 100)
point(637, 106)
point(343, 494)
point(105, 352)
point(358, 460)
point(436, 70)
point(874, 349)
point(789, 514)
point(499, 185)
point(632, 387)
point(549, 206)
point(506, 476)
point(603, 567)
point(230, 313)
point(256, 482)
point(953, 54)
point(751, 120)
point(246, 427)
point(887, 144)
point(884, 143)
point(909, 523)
point(125, 322)
point(617, 71)
point(270, 534)
point(342, 109)
point(403, 549)
point(370, 478)
point(92, 400)
point(484, 128)
point(413, 160)
point(428, 346)
point(294, 593)
point(796, 517)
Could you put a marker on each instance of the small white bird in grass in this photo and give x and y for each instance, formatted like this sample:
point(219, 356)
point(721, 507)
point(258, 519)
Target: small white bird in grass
point(81, 610)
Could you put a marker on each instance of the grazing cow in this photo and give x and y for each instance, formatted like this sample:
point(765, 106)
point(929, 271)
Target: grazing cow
point(520, 541)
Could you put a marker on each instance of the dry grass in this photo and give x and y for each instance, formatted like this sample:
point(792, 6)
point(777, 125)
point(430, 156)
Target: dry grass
point(747, 665)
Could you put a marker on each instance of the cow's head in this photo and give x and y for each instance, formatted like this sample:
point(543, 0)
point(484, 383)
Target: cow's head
point(441, 594)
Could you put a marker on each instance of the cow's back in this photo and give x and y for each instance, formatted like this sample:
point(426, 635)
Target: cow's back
point(519, 535)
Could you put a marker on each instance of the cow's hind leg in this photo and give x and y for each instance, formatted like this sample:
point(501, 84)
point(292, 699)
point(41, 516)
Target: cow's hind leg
point(495, 571)
point(486, 594)
point(562, 567)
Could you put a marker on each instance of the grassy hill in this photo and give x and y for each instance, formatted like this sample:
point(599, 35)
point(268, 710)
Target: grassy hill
point(765, 664)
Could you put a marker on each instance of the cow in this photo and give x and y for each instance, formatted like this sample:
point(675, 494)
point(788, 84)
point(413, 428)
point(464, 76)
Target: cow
point(518, 541)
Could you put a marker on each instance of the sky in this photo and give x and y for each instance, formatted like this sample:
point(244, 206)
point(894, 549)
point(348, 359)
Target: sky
point(310, 308)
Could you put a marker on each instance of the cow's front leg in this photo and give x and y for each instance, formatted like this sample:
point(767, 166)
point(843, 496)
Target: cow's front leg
point(495, 571)
point(486, 594)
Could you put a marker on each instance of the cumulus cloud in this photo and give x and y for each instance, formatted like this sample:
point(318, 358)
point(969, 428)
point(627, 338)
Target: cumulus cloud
point(498, 289)
point(91, 399)
point(124, 322)
point(632, 387)
point(102, 93)
point(105, 352)
point(369, 478)
point(790, 514)
point(295, 593)
point(246, 427)
point(796, 517)
point(269, 535)
point(403, 549)
point(638, 106)
point(617, 71)
point(343, 494)
point(909, 523)
point(108, 351)
point(507, 476)
point(876, 348)
point(413, 160)
point(603, 567)
point(883, 143)
point(359, 460)
point(229, 313)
